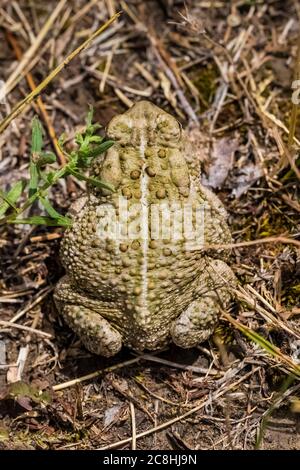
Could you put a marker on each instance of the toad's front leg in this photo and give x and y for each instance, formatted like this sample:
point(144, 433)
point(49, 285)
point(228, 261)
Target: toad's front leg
point(198, 321)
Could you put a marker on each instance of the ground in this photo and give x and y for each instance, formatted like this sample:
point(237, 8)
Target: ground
point(225, 70)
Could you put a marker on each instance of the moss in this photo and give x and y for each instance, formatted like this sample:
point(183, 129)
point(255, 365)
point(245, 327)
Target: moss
point(290, 296)
point(101, 66)
point(205, 79)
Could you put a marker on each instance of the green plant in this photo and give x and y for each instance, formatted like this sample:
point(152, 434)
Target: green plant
point(89, 146)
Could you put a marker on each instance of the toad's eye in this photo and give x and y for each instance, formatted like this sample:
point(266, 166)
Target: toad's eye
point(119, 131)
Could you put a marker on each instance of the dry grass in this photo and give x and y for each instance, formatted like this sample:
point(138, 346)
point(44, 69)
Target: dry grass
point(224, 69)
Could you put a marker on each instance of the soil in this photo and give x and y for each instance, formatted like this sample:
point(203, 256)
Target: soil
point(224, 69)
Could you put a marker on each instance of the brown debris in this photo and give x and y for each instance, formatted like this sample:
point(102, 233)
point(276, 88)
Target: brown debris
point(224, 70)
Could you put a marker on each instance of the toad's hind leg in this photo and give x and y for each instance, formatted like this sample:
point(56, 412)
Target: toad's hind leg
point(198, 321)
point(86, 318)
point(96, 333)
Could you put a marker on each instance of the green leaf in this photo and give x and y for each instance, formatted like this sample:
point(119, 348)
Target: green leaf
point(46, 158)
point(86, 156)
point(37, 136)
point(89, 117)
point(94, 152)
point(90, 127)
point(42, 220)
point(95, 139)
point(61, 140)
point(36, 148)
point(93, 181)
point(90, 146)
point(11, 196)
point(50, 176)
point(34, 178)
point(79, 139)
point(51, 211)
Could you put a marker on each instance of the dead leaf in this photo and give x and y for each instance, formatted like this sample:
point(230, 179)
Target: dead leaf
point(25, 395)
point(248, 175)
point(110, 414)
point(222, 160)
point(287, 314)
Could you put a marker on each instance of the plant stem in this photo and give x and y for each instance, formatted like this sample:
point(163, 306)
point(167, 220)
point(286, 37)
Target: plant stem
point(40, 192)
point(31, 96)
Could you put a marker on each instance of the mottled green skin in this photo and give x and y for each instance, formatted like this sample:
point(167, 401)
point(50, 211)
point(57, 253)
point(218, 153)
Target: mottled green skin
point(132, 293)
